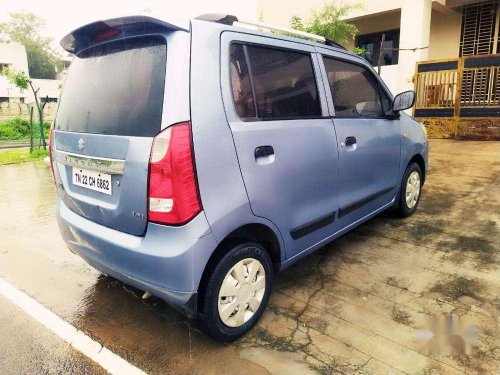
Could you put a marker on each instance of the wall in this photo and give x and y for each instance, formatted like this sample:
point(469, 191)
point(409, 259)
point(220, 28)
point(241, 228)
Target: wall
point(48, 87)
point(389, 74)
point(16, 109)
point(279, 12)
point(7, 90)
point(376, 23)
point(372, 7)
point(444, 40)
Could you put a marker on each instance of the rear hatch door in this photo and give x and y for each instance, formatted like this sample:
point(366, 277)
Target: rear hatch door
point(109, 112)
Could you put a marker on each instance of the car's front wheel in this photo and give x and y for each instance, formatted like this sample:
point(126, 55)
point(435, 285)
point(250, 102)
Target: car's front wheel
point(237, 292)
point(411, 188)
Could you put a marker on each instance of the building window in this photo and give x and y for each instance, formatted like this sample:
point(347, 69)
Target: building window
point(49, 100)
point(372, 42)
point(478, 29)
point(3, 67)
point(4, 99)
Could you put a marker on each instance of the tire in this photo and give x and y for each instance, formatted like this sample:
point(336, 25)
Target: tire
point(407, 207)
point(230, 312)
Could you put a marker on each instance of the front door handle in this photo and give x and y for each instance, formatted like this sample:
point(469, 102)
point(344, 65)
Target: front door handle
point(263, 151)
point(349, 141)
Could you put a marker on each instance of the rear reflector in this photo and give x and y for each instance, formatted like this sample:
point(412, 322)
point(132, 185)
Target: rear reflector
point(173, 193)
point(51, 142)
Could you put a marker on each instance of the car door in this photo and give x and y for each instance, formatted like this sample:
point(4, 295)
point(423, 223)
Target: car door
point(368, 137)
point(285, 141)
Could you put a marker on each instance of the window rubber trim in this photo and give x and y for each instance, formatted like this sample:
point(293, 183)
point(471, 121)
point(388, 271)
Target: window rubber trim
point(250, 75)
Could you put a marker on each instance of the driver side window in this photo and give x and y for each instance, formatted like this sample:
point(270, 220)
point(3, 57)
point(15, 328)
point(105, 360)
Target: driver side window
point(355, 91)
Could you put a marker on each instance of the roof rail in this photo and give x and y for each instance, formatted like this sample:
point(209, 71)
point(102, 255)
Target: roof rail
point(230, 20)
point(225, 19)
point(331, 43)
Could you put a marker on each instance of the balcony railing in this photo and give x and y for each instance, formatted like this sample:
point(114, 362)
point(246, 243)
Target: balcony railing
point(459, 98)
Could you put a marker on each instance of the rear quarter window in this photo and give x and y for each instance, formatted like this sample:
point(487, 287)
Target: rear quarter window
point(116, 89)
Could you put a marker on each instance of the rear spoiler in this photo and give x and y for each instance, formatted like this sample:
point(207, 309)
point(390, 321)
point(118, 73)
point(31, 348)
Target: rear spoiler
point(97, 32)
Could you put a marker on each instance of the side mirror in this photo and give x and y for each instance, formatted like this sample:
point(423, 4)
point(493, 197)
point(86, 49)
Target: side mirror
point(403, 101)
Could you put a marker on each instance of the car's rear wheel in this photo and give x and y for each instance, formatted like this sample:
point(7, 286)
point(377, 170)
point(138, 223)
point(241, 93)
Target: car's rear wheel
point(410, 191)
point(237, 292)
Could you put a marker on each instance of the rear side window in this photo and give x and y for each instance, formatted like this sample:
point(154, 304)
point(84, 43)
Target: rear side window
point(116, 89)
point(355, 91)
point(272, 84)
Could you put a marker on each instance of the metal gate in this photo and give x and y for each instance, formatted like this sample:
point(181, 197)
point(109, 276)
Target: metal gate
point(459, 98)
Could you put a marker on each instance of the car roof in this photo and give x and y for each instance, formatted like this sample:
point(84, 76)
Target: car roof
point(268, 34)
point(184, 24)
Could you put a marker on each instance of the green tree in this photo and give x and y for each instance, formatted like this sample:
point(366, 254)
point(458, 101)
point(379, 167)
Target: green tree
point(23, 82)
point(23, 28)
point(363, 52)
point(328, 22)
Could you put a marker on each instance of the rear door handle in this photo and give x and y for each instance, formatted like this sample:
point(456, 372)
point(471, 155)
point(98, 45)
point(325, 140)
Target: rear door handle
point(349, 141)
point(263, 151)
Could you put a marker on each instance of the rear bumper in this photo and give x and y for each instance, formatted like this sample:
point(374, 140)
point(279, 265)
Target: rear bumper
point(167, 262)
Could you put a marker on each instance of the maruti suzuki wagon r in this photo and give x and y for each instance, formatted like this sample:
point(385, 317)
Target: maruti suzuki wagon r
point(195, 159)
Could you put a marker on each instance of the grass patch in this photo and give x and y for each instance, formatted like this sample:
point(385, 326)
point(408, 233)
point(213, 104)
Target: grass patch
point(20, 155)
point(19, 128)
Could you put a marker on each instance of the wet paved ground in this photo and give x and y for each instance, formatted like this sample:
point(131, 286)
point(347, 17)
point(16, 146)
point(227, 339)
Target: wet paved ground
point(353, 307)
point(27, 347)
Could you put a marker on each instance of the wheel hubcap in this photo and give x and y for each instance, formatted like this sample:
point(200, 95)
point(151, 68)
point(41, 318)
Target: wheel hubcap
point(412, 189)
point(241, 292)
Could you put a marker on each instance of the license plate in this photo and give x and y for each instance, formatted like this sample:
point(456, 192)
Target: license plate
point(92, 180)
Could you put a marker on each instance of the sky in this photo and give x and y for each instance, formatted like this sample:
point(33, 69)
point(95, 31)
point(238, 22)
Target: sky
point(63, 16)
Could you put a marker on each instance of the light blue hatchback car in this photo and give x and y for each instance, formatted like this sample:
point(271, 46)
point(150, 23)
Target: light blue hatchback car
point(195, 159)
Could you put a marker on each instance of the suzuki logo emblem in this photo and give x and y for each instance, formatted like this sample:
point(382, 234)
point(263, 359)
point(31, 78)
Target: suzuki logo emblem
point(81, 144)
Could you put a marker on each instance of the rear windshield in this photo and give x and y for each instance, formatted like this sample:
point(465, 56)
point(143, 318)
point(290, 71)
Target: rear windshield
point(116, 88)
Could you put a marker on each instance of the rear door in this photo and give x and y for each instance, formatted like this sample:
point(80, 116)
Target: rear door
point(368, 138)
point(110, 110)
point(284, 140)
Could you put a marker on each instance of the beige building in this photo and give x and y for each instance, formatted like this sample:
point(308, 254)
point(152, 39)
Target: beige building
point(13, 57)
point(13, 100)
point(448, 51)
point(414, 30)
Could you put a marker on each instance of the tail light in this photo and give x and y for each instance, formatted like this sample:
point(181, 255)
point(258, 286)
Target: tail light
point(106, 34)
point(51, 141)
point(173, 193)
